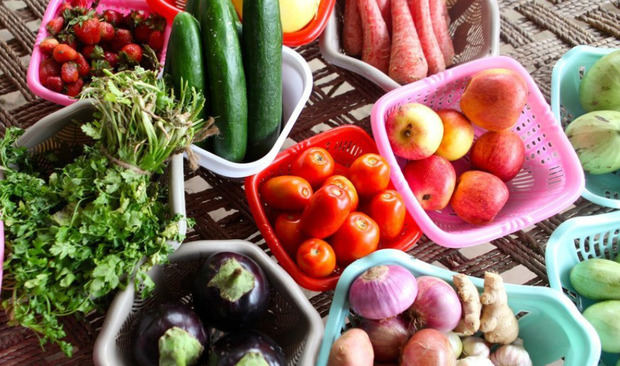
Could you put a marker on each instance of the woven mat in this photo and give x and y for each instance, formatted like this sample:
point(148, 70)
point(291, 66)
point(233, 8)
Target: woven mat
point(536, 33)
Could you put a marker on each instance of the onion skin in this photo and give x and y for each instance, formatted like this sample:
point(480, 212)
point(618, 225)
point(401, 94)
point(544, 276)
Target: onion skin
point(428, 347)
point(383, 292)
point(436, 306)
point(387, 336)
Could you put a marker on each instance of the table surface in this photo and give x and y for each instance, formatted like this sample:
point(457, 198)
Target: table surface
point(535, 32)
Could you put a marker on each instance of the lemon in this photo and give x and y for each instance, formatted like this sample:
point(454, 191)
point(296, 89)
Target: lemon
point(295, 14)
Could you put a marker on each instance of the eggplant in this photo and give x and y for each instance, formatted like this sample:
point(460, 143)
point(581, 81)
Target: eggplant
point(169, 335)
point(246, 348)
point(230, 291)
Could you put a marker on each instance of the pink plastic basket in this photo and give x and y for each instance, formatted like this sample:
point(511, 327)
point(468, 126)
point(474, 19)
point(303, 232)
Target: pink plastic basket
point(123, 6)
point(551, 178)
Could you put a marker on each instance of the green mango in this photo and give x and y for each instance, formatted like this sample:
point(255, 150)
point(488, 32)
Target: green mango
point(600, 86)
point(597, 279)
point(604, 318)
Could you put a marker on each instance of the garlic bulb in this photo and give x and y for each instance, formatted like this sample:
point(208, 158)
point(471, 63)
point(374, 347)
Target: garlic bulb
point(455, 342)
point(475, 346)
point(511, 355)
point(474, 361)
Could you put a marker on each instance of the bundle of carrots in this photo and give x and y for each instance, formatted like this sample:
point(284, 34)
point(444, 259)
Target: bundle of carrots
point(406, 39)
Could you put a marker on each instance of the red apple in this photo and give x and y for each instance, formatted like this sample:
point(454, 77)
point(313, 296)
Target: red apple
point(431, 180)
point(478, 197)
point(414, 131)
point(500, 153)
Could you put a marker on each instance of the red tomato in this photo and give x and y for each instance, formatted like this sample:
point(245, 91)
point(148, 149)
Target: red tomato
point(315, 165)
point(357, 237)
point(316, 258)
point(286, 192)
point(342, 182)
point(327, 210)
point(289, 232)
point(388, 210)
point(370, 174)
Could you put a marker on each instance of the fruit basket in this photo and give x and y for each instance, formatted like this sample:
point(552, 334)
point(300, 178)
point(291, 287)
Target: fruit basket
point(575, 240)
point(34, 82)
point(550, 180)
point(474, 29)
point(296, 88)
point(345, 144)
point(170, 8)
point(602, 189)
point(549, 324)
point(290, 319)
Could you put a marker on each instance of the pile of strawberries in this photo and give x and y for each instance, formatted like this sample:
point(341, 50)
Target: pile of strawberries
point(83, 43)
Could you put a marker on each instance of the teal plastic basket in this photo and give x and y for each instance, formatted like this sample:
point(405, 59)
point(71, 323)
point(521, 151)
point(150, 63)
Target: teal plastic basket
point(578, 239)
point(603, 189)
point(550, 325)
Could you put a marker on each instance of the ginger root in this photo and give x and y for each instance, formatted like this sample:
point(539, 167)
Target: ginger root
point(470, 300)
point(498, 322)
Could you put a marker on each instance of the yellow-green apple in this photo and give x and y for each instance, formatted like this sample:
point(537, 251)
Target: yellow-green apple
point(458, 135)
point(431, 180)
point(414, 130)
point(479, 196)
point(494, 98)
point(500, 153)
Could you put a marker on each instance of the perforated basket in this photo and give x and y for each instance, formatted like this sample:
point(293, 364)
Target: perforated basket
point(345, 144)
point(551, 178)
point(474, 29)
point(290, 318)
point(602, 189)
point(576, 240)
point(549, 324)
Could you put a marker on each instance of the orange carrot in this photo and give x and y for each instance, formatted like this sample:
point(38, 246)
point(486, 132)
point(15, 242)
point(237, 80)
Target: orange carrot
point(407, 62)
point(384, 6)
point(376, 50)
point(352, 37)
point(441, 24)
point(421, 14)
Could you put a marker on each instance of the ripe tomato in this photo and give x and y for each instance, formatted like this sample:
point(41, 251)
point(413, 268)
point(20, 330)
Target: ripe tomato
point(370, 174)
point(316, 258)
point(315, 165)
point(289, 232)
point(342, 182)
point(286, 192)
point(388, 210)
point(357, 237)
point(327, 210)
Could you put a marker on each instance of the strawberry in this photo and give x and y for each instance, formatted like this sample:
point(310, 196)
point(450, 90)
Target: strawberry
point(88, 31)
point(158, 22)
point(131, 53)
point(73, 89)
point(48, 44)
point(83, 66)
point(142, 33)
point(69, 72)
point(156, 40)
point(111, 58)
point(54, 26)
point(79, 3)
point(64, 53)
point(136, 17)
point(92, 51)
point(121, 38)
point(63, 7)
point(53, 83)
point(47, 68)
point(106, 30)
point(113, 17)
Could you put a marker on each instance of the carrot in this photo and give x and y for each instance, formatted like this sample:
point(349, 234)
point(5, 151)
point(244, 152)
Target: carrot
point(352, 29)
point(421, 13)
point(441, 24)
point(376, 46)
point(407, 62)
point(384, 6)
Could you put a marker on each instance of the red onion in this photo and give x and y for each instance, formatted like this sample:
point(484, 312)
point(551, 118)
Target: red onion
point(387, 337)
point(383, 292)
point(436, 306)
point(428, 347)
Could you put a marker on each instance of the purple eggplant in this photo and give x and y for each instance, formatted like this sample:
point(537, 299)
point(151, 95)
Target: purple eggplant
point(169, 334)
point(230, 291)
point(246, 347)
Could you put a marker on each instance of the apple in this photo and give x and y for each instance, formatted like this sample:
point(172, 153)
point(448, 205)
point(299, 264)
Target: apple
point(500, 153)
point(431, 180)
point(478, 197)
point(458, 135)
point(414, 131)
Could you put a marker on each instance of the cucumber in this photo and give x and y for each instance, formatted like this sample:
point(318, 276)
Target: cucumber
point(597, 279)
point(191, 6)
point(262, 56)
point(225, 79)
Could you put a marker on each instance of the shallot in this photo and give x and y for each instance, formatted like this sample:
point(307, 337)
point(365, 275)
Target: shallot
point(428, 347)
point(436, 305)
point(387, 337)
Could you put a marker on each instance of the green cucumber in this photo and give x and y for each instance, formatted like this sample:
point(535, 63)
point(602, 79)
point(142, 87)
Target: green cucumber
point(262, 56)
point(191, 6)
point(597, 279)
point(225, 78)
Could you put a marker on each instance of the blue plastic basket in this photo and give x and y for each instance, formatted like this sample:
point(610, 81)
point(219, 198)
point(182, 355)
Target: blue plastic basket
point(603, 189)
point(578, 239)
point(550, 326)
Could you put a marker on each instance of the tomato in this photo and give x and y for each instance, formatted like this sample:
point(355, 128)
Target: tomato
point(315, 165)
point(316, 258)
point(286, 192)
point(327, 210)
point(388, 210)
point(357, 237)
point(288, 231)
point(370, 174)
point(342, 182)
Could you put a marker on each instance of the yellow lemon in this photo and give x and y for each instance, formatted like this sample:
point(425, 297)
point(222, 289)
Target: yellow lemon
point(295, 14)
